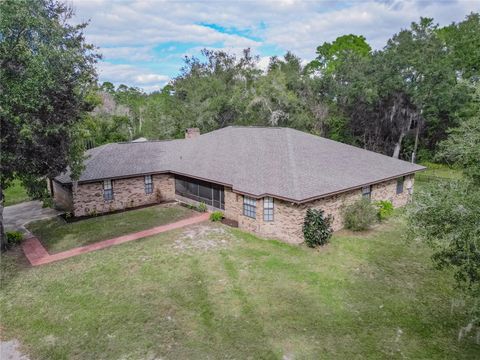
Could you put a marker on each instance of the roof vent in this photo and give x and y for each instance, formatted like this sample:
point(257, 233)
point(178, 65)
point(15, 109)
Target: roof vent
point(192, 133)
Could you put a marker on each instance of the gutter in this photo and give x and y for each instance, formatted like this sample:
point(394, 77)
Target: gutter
point(296, 201)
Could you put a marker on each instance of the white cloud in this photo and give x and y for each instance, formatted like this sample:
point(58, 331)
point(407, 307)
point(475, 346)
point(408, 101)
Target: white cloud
point(151, 78)
point(129, 31)
point(142, 53)
point(131, 75)
point(376, 21)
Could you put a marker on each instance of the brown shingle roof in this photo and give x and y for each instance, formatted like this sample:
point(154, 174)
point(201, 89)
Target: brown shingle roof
point(281, 162)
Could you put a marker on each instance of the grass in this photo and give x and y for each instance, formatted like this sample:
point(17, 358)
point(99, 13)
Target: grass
point(368, 295)
point(15, 193)
point(437, 171)
point(57, 235)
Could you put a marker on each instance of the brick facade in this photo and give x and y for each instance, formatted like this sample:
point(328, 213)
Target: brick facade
point(127, 193)
point(288, 217)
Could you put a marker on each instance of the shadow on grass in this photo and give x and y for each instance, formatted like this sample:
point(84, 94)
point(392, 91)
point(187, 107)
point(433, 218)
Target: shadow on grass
point(58, 235)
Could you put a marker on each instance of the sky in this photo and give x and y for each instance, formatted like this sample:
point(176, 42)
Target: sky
point(144, 42)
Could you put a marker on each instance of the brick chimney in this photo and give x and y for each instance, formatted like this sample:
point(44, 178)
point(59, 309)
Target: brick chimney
point(192, 133)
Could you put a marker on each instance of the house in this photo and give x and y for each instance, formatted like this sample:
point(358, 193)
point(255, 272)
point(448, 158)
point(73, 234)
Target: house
point(264, 178)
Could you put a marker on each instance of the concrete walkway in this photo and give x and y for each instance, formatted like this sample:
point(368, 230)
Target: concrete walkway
point(38, 255)
point(15, 217)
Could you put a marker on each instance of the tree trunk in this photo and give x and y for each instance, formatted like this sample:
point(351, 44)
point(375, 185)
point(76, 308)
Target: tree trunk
point(3, 238)
point(398, 146)
point(414, 153)
point(405, 130)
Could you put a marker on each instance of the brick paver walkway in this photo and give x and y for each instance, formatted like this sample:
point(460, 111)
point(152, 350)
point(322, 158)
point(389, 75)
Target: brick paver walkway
point(38, 255)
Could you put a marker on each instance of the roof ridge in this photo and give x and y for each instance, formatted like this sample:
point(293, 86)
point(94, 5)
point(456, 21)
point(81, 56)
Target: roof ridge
point(256, 127)
point(142, 142)
point(292, 164)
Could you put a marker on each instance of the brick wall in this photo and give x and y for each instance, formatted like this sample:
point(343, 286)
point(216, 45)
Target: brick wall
point(62, 196)
point(233, 204)
point(288, 217)
point(127, 193)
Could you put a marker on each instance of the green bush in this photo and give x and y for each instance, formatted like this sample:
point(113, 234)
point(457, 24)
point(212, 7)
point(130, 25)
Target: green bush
point(384, 209)
point(202, 207)
point(360, 215)
point(216, 216)
point(14, 237)
point(47, 202)
point(317, 228)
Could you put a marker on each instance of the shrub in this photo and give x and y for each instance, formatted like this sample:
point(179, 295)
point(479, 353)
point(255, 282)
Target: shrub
point(14, 237)
point(202, 207)
point(92, 212)
point(360, 215)
point(216, 216)
point(47, 202)
point(317, 228)
point(384, 209)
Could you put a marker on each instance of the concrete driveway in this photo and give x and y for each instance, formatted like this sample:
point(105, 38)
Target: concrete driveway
point(15, 217)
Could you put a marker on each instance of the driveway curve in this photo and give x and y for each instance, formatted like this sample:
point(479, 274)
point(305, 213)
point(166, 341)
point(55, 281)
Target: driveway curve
point(15, 217)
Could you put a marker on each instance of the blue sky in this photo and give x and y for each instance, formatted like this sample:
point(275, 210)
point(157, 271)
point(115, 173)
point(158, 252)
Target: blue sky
point(143, 42)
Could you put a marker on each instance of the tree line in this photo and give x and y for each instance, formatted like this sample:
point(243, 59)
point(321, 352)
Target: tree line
point(400, 100)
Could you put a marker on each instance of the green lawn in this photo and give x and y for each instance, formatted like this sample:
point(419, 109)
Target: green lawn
point(209, 291)
point(15, 193)
point(57, 235)
point(438, 171)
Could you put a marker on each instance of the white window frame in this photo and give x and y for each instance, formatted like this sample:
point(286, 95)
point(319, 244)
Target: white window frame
point(107, 190)
point(148, 182)
point(250, 207)
point(268, 208)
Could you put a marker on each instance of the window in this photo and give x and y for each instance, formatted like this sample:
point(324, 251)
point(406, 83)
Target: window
point(249, 207)
point(148, 184)
point(400, 185)
point(367, 192)
point(107, 190)
point(268, 209)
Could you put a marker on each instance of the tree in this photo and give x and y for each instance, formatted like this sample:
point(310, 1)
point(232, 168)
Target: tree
point(332, 54)
point(462, 147)
point(407, 93)
point(446, 214)
point(46, 71)
point(214, 91)
point(108, 87)
point(463, 42)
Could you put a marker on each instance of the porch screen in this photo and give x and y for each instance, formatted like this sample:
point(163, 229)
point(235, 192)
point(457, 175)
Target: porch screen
point(201, 191)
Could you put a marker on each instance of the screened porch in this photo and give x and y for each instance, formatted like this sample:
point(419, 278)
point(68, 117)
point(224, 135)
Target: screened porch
point(200, 191)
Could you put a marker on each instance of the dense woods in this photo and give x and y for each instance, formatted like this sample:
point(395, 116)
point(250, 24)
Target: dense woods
point(400, 100)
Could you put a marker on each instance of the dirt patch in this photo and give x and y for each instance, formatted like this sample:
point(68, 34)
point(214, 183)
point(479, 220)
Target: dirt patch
point(203, 238)
point(230, 222)
point(9, 350)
